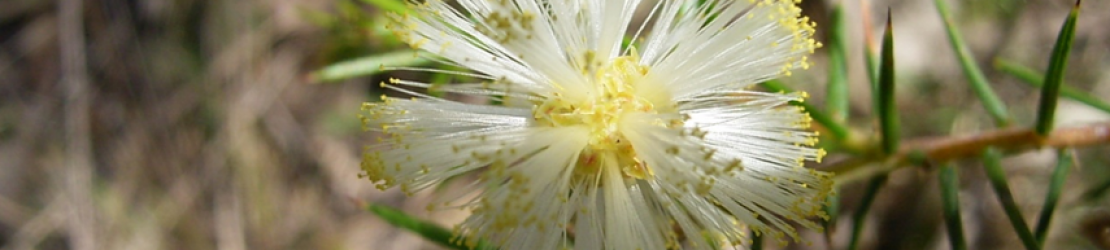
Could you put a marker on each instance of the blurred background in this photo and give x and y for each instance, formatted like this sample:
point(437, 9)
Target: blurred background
point(191, 124)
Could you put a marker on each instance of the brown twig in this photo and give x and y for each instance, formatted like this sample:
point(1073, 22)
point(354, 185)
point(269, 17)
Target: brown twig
point(38, 226)
point(956, 147)
point(76, 178)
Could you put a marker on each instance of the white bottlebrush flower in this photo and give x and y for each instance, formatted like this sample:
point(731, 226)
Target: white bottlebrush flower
point(612, 146)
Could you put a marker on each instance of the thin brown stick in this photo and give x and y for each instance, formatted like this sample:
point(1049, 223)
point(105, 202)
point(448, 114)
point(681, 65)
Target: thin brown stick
point(76, 178)
point(1010, 139)
point(38, 226)
point(956, 147)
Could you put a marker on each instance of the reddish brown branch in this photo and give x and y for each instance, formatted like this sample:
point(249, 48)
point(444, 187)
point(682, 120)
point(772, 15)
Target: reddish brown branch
point(956, 147)
point(1011, 139)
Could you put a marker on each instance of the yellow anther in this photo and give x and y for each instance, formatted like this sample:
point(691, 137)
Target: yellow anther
point(615, 83)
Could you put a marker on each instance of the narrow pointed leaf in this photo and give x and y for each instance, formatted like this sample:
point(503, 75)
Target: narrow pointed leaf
point(1059, 176)
point(979, 83)
point(832, 208)
point(1097, 191)
point(1032, 77)
point(869, 47)
point(838, 130)
point(860, 217)
point(888, 118)
point(366, 66)
point(428, 230)
point(872, 71)
point(992, 163)
point(836, 100)
point(949, 191)
point(397, 6)
point(888, 112)
point(1050, 91)
point(757, 241)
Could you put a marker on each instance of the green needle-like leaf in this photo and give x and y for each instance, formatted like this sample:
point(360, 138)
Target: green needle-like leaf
point(949, 192)
point(858, 219)
point(1096, 191)
point(888, 119)
point(836, 100)
point(397, 6)
point(869, 51)
point(992, 163)
point(713, 242)
point(979, 83)
point(872, 70)
point(838, 130)
point(832, 208)
point(428, 230)
point(1059, 176)
point(1032, 77)
point(757, 241)
point(888, 113)
point(872, 67)
point(1055, 76)
point(366, 66)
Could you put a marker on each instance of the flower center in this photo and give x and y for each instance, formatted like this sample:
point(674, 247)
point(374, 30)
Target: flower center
point(613, 97)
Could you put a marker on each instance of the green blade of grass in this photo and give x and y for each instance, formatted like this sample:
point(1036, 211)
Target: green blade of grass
point(1032, 77)
point(859, 218)
point(836, 100)
point(428, 230)
point(1059, 176)
point(979, 83)
point(367, 66)
point(838, 130)
point(888, 113)
point(389, 5)
point(1046, 111)
point(997, 177)
point(949, 191)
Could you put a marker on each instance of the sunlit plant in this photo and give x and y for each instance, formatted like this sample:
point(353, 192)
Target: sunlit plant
point(601, 133)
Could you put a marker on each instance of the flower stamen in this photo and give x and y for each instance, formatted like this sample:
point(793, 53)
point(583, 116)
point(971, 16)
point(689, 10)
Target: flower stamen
point(612, 98)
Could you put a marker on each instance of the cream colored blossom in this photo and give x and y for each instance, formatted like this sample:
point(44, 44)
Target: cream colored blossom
point(614, 147)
